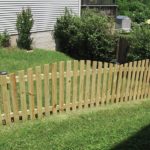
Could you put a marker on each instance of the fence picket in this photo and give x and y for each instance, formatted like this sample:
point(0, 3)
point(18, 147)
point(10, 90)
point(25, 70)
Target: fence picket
point(1, 120)
point(99, 83)
point(128, 81)
point(39, 90)
point(140, 80)
point(132, 86)
point(61, 86)
point(124, 83)
point(147, 90)
point(23, 95)
point(109, 83)
point(13, 90)
point(68, 85)
point(119, 83)
point(113, 96)
point(54, 87)
point(137, 80)
point(93, 86)
point(87, 82)
point(81, 83)
point(46, 89)
point(31, 93)
point(75, 83)
point(104, 90)
point(5, 99)
point(144, 80)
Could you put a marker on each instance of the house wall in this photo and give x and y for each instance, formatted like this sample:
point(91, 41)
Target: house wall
point(45, 14)
point(41, 40)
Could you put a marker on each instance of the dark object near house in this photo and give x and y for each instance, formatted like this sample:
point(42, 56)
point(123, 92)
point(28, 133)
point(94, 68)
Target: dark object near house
point(3, 73)
point(122, 50)
point(109, 7)
point(123, 23)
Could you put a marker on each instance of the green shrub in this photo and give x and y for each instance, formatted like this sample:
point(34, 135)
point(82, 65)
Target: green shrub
point(140, 42)
point(85, 37)
point(5, 39)
point(24, 25)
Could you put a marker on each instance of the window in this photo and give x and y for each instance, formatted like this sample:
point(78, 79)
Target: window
point(98, 2)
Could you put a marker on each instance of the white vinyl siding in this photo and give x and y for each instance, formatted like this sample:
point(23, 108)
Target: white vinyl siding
point(45, 13)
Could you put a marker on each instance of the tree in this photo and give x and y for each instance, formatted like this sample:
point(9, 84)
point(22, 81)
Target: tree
point(24, 25)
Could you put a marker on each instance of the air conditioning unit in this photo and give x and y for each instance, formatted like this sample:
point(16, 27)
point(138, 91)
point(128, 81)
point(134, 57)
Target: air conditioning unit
point(123, 23)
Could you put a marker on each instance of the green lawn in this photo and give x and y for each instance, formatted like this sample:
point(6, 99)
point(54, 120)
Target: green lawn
point(14, 59)
point(116, 127)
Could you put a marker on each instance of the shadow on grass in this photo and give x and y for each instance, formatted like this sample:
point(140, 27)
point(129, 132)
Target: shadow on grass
point(139, 141)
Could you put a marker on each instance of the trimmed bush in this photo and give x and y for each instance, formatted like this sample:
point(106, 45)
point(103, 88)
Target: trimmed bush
point(24, 25)
point(86, 37)
point(5, 39)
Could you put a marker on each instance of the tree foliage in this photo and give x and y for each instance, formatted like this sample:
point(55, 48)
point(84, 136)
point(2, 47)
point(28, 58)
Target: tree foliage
point(137, 10)
point(140, 42)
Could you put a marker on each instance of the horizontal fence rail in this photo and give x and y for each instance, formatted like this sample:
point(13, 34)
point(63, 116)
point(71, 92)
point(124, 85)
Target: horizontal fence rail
point(67, 86)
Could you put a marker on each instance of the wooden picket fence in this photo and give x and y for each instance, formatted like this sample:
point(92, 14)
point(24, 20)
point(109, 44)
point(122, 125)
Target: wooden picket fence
point(68, 86)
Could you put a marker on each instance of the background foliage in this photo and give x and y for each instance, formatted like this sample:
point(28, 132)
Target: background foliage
point(140, 42)
point(137, 10)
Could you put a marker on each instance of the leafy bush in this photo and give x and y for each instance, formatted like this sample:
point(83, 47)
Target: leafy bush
point(85, 37)
point(24, 25)
point(136, 10)
point(140, 42)
point(5, 39)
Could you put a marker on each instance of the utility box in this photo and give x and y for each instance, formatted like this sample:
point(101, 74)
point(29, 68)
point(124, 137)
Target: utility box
point(123, 23)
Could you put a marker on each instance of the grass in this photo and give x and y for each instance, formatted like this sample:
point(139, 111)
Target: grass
point(116, 127)
point(13, 59)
